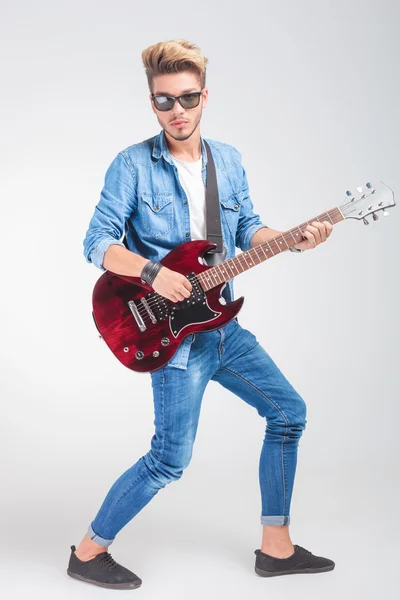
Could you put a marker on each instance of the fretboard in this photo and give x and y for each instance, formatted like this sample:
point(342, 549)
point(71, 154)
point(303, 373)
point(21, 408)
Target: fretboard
point(254, 256)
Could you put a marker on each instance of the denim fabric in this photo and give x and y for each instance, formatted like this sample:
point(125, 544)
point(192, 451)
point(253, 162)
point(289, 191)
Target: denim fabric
point(232, 356)
point(143, 197)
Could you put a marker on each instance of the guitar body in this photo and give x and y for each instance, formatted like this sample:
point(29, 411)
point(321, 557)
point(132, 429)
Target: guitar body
point(145, 335)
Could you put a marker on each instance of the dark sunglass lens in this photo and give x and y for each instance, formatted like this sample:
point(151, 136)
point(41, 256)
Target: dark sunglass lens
point(163, 102)
point(190, 100)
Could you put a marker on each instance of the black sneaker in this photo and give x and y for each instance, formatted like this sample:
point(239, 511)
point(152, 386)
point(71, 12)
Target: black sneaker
point(102, 570)
point(301, 561)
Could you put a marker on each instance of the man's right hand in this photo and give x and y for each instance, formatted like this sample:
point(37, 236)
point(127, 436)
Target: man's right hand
point(172, 285)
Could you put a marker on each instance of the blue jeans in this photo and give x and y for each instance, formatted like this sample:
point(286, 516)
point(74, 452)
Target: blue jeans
point(232, 356)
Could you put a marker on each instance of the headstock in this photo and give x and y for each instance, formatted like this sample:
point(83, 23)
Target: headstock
point(368, 200)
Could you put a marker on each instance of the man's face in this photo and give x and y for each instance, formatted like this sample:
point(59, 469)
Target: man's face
point(175, 84)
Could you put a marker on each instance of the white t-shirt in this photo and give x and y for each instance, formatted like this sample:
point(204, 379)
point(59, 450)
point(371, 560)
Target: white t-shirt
point(192, 182)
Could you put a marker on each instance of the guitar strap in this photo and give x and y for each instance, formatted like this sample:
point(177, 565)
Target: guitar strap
point(213, 215)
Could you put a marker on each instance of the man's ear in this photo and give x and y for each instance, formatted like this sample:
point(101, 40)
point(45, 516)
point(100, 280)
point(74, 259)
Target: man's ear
point(205, 99)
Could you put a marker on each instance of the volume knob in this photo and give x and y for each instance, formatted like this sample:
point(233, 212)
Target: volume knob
point(139, 354)
point(164, 341)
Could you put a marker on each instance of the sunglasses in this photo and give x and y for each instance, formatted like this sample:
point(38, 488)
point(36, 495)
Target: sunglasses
point(164, 103)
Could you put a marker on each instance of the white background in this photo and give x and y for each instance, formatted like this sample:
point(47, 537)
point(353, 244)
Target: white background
point(308, 92)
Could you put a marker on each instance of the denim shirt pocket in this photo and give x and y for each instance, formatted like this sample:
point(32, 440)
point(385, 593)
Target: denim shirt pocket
point(230, 209)
point(157, 212)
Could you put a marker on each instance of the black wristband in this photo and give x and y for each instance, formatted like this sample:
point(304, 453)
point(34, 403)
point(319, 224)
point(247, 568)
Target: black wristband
point(150, 271)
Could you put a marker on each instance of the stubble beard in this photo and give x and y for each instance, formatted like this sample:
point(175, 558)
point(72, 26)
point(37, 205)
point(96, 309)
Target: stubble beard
point(183, 136)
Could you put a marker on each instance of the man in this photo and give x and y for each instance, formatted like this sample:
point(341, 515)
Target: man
point(154, 191)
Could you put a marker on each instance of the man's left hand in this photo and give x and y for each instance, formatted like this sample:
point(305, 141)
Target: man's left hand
point(315, 233)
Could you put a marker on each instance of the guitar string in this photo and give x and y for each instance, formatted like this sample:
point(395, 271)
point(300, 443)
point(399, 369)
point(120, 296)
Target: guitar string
point(142, 310)
point(144, 314)
point(153, 301)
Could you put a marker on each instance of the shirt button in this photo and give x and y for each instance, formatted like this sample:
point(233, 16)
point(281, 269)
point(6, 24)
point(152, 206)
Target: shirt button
point(236, 205)
point(156, 208)
point(187, 235)
point(185, 202)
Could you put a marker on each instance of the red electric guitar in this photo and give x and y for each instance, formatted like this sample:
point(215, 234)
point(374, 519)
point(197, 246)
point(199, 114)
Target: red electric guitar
point(144, 329)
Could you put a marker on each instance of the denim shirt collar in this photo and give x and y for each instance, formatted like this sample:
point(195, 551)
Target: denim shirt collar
point(160, 148)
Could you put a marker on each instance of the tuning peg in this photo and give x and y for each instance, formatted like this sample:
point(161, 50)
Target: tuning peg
point(365, 221)
point(375, 216)
point(385, 213)
point(348, 193)
point(359, 189)
point(368, 185)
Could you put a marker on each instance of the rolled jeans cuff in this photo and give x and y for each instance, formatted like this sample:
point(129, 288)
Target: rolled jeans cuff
point(275, 520)
point(97, 538)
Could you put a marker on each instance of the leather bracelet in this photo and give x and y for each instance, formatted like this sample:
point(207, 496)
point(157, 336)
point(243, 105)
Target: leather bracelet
point(293, 249)
point(150, 271)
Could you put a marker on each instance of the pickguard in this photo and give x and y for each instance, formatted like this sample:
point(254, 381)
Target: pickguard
point(196, 313)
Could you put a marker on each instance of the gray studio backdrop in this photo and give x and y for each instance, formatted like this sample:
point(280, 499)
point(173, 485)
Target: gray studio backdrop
point(309, 93)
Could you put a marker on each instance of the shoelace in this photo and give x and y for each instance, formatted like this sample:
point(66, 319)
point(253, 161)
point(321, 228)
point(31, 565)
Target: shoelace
point(301, 549)
point(107, 560)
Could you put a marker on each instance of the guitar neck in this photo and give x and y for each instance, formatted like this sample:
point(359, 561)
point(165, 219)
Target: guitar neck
point(257, 254)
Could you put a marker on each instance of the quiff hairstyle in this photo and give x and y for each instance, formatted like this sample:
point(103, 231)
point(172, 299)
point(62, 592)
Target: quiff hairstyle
point(174, 56)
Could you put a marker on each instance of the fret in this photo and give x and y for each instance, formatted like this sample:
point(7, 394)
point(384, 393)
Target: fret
point(228, 262)
point(329, 217)
point(256, 252)
point(299, 231)
point(284, 239)
point(244, 256)
point(236, 262)
point(241, 259)
point(214, 275)
point(233, 262)
point(249, 254)
point(273, 245)
point(208, 278)
point(220, 273)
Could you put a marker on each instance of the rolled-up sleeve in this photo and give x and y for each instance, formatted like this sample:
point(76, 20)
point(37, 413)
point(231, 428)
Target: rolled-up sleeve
point(117, 202)
point(249, 221)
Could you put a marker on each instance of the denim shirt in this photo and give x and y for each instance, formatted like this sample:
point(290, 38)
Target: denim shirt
point(142, 197)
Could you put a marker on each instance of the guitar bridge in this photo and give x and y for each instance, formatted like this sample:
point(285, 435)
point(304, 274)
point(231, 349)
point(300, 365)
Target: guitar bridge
point(136, 314)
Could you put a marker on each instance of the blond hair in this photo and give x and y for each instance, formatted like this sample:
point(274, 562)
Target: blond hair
point(174, 56)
